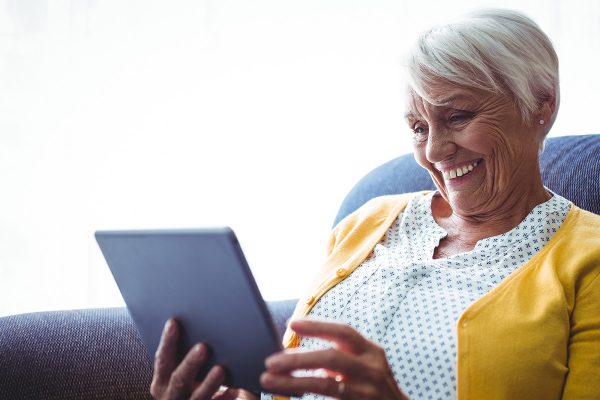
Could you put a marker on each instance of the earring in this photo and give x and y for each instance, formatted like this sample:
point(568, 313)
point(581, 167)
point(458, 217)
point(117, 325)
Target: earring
point(541, 122)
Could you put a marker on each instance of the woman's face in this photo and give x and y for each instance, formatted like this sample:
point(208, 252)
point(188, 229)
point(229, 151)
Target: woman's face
point(476, 147)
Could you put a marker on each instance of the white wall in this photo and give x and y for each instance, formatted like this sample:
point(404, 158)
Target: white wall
point(260, 115)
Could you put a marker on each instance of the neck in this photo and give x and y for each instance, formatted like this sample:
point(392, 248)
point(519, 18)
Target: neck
point(466, 229)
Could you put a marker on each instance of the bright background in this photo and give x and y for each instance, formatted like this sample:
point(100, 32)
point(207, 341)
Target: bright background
point(256, 114)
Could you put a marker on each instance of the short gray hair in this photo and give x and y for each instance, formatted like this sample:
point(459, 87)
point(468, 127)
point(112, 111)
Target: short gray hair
point(498, 51)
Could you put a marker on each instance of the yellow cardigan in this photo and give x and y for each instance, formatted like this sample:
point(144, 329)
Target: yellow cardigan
point(534, 336)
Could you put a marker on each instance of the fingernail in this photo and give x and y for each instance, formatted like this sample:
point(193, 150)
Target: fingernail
point(272, 362)
point(296, 323)
point(168, 326)
point(199, 349)
point(217, 372)
point(266, 379)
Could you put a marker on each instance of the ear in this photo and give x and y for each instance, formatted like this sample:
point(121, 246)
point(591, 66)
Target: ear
point(547, 114)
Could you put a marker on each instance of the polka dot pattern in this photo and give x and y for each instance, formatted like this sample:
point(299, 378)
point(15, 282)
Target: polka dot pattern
point(409, 303)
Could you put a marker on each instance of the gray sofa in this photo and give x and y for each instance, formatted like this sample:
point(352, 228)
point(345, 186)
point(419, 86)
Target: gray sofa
point(98, 354)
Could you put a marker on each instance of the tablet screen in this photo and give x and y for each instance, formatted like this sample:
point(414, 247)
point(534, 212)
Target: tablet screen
point(201, 278)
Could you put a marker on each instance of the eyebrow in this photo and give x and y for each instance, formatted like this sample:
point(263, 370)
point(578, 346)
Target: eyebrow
point(408, 115)
point(443, 102)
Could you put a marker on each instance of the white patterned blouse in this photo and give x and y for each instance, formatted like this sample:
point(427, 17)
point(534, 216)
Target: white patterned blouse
point(410, 303)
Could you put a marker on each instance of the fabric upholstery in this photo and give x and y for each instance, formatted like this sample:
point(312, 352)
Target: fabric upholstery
point(570, 167)
point(81, 354)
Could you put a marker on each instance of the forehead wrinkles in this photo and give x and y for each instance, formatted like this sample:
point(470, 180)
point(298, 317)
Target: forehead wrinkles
point(418, 107)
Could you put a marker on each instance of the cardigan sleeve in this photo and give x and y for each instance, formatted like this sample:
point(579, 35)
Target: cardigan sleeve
point(583, 378)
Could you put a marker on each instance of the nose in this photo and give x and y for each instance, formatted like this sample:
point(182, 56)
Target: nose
point(440, 144)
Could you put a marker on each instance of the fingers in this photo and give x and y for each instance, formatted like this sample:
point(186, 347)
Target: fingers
point(296, 386)
point(230, 394)
point(329, 359)
point(210, 385)
point(344, 336)
point(360, 365)
point(178, 381)
point(235, 394)
point(184, 376)
point(165, 359)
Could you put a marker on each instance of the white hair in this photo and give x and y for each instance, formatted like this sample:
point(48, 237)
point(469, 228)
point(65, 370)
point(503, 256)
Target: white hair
point(498, 51)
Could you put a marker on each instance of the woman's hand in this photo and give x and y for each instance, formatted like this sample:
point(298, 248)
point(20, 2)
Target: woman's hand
point(172, 381)
point(355, 368)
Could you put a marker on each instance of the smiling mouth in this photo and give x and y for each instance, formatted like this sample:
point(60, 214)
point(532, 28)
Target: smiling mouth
point(460, 171)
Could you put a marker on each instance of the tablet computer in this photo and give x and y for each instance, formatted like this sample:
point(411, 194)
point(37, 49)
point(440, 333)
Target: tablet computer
point(201, 278)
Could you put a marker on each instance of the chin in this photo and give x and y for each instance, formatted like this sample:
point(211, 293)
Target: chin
point(462, 203)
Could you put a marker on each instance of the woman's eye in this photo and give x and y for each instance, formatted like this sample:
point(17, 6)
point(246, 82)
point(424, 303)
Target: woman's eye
point(419, 133)
point(461, 117)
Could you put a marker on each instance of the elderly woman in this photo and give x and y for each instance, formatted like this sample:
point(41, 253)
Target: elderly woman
point(488, 288)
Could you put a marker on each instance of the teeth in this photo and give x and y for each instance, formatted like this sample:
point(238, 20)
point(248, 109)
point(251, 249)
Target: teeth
point(453, 173)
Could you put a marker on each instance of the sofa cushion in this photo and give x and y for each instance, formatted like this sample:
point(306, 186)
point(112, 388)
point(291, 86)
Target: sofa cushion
point(82, 354)
point(78, 354)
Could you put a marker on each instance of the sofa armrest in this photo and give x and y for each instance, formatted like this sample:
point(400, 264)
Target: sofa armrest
point(91, 354)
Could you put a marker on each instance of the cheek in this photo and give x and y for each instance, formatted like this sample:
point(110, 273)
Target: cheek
point(420, 157)
point(495, 135)
point(484, 139)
